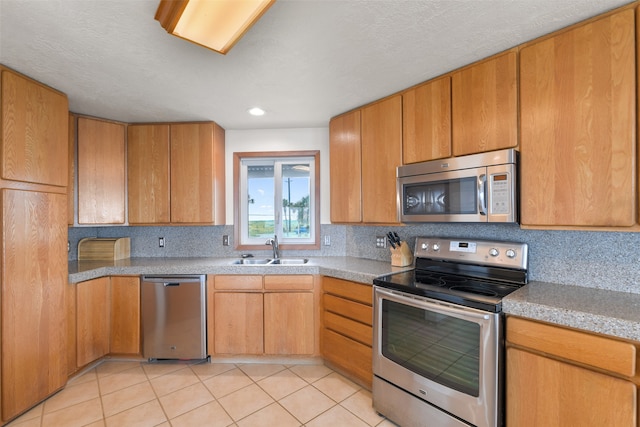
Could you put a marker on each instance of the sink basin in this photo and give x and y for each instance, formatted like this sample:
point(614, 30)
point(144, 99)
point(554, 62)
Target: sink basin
point(289, 261)
point(268, 261)
point(251, 261)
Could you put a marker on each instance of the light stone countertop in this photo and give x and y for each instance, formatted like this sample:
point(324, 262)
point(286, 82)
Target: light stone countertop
point(595, 310)
point(347, 268)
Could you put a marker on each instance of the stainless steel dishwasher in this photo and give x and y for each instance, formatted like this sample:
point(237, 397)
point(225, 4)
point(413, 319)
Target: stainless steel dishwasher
point(174, 317)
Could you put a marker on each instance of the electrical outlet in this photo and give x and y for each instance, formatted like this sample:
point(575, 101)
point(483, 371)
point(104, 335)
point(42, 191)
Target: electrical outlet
point(225, 240)
point(161, 242)
point(381, 242)
point(327, 240)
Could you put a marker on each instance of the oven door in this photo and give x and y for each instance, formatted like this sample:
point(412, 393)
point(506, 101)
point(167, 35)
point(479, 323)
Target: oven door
point(444, 354)
point(452, 196)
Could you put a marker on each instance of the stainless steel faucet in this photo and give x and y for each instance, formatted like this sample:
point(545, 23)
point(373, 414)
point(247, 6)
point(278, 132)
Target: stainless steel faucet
point(274, 244)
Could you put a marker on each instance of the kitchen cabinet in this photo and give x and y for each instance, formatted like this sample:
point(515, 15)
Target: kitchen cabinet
point(381, 135)
point(578, 126)
point(346, 168)
point(485, 105)
point(347, 332)
point(263, 315)
point(125, 315)
point(71, 170)
point(175, 173)
point(34, 131)
point(148, 174)
point(72, 365)
point(197, 174)
point(101, 172)
point(426, 121)
point(33, 321)
point(289, 315)
point(33, 260)
point(92, 320)
point(561, 376)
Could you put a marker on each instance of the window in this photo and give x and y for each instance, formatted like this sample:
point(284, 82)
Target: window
point(277, 194)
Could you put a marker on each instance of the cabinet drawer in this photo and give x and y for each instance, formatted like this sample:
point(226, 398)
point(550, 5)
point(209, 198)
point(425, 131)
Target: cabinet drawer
point(350, 309)
point(288, 282)
point(349, 290)
point(601, 352)
point(352, 329)
point(238, 282)
point(352, 356)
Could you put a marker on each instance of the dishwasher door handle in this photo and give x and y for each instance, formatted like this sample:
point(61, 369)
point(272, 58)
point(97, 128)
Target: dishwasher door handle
point(171, 284)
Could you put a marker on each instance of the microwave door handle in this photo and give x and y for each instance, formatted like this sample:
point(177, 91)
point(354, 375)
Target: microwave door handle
point(482, 194)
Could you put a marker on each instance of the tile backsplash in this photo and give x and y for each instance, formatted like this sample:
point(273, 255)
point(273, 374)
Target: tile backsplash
point(607, 260)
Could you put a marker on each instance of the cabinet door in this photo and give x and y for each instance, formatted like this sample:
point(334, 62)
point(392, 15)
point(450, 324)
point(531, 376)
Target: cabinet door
point(289, 323)
point(426, 121)
point(34, 276)
point(485, 105)
point(381, 154)
point(345, 168)
point(148, 174)
point(547, 392)
point(578, 118)
point(71, 170)
point(72, 363)
point(197, 173)
point(101, 163)
point(125, 315)
point(34, 131)
point(92, 333)
point(238, 323)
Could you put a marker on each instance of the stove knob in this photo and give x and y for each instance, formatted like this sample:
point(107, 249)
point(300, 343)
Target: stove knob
point(425, 246)
point(510, 253)
point(436, 246)
point(494, 252)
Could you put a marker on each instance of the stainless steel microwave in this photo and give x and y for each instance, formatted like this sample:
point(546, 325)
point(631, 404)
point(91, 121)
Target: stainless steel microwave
point(474, 188)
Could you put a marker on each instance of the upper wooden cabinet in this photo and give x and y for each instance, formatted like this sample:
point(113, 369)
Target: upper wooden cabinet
point(34, 131)
point(197, 173)
point(346, 164)
point(578, 126)
point(175, 173)
point(101, 172)
point(426, 121)
point(485, 105)
point(381, 133)
point(148, 173)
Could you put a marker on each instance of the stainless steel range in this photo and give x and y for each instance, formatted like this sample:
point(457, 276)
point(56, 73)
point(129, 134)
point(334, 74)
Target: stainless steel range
point(438, 333)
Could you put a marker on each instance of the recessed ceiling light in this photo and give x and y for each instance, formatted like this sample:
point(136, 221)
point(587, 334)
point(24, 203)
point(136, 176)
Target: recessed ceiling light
point(256, 111)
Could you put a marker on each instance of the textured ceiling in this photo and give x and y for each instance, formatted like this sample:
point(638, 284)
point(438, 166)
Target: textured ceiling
point(304, 61)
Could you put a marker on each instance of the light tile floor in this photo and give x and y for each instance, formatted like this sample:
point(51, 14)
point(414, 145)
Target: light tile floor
point(131, 393)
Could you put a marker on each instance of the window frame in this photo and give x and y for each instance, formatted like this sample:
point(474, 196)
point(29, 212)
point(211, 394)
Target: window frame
point(284, 156)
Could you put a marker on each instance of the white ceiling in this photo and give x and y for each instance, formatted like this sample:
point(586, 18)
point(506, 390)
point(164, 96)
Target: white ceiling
point(304, 61)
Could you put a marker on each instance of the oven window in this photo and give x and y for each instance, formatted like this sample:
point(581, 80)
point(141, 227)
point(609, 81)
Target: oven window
point(450, 197)
point(443, 348)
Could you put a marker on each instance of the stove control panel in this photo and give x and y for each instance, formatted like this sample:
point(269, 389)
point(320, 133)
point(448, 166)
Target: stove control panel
point(486, 252)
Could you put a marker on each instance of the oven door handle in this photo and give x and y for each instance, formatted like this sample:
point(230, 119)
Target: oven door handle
point(465, 313)
point(482, 194)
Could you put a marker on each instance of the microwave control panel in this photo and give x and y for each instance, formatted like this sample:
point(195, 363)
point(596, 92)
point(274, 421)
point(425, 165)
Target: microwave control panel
point(500, 197)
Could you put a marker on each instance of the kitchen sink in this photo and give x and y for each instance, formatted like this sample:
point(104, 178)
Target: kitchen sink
point(268, 261)
point(289, 261)
point(251, 261)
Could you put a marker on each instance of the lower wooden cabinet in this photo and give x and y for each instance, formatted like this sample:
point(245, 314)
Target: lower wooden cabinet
point(33, 274)
point(347, 332)
point(262, 315)
point(105, 314)
point(124, 337)
point(562, 377)
point(92, 320)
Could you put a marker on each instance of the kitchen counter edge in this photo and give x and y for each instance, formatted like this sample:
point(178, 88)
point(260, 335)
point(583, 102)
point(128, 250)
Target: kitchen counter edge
point(601, 311)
